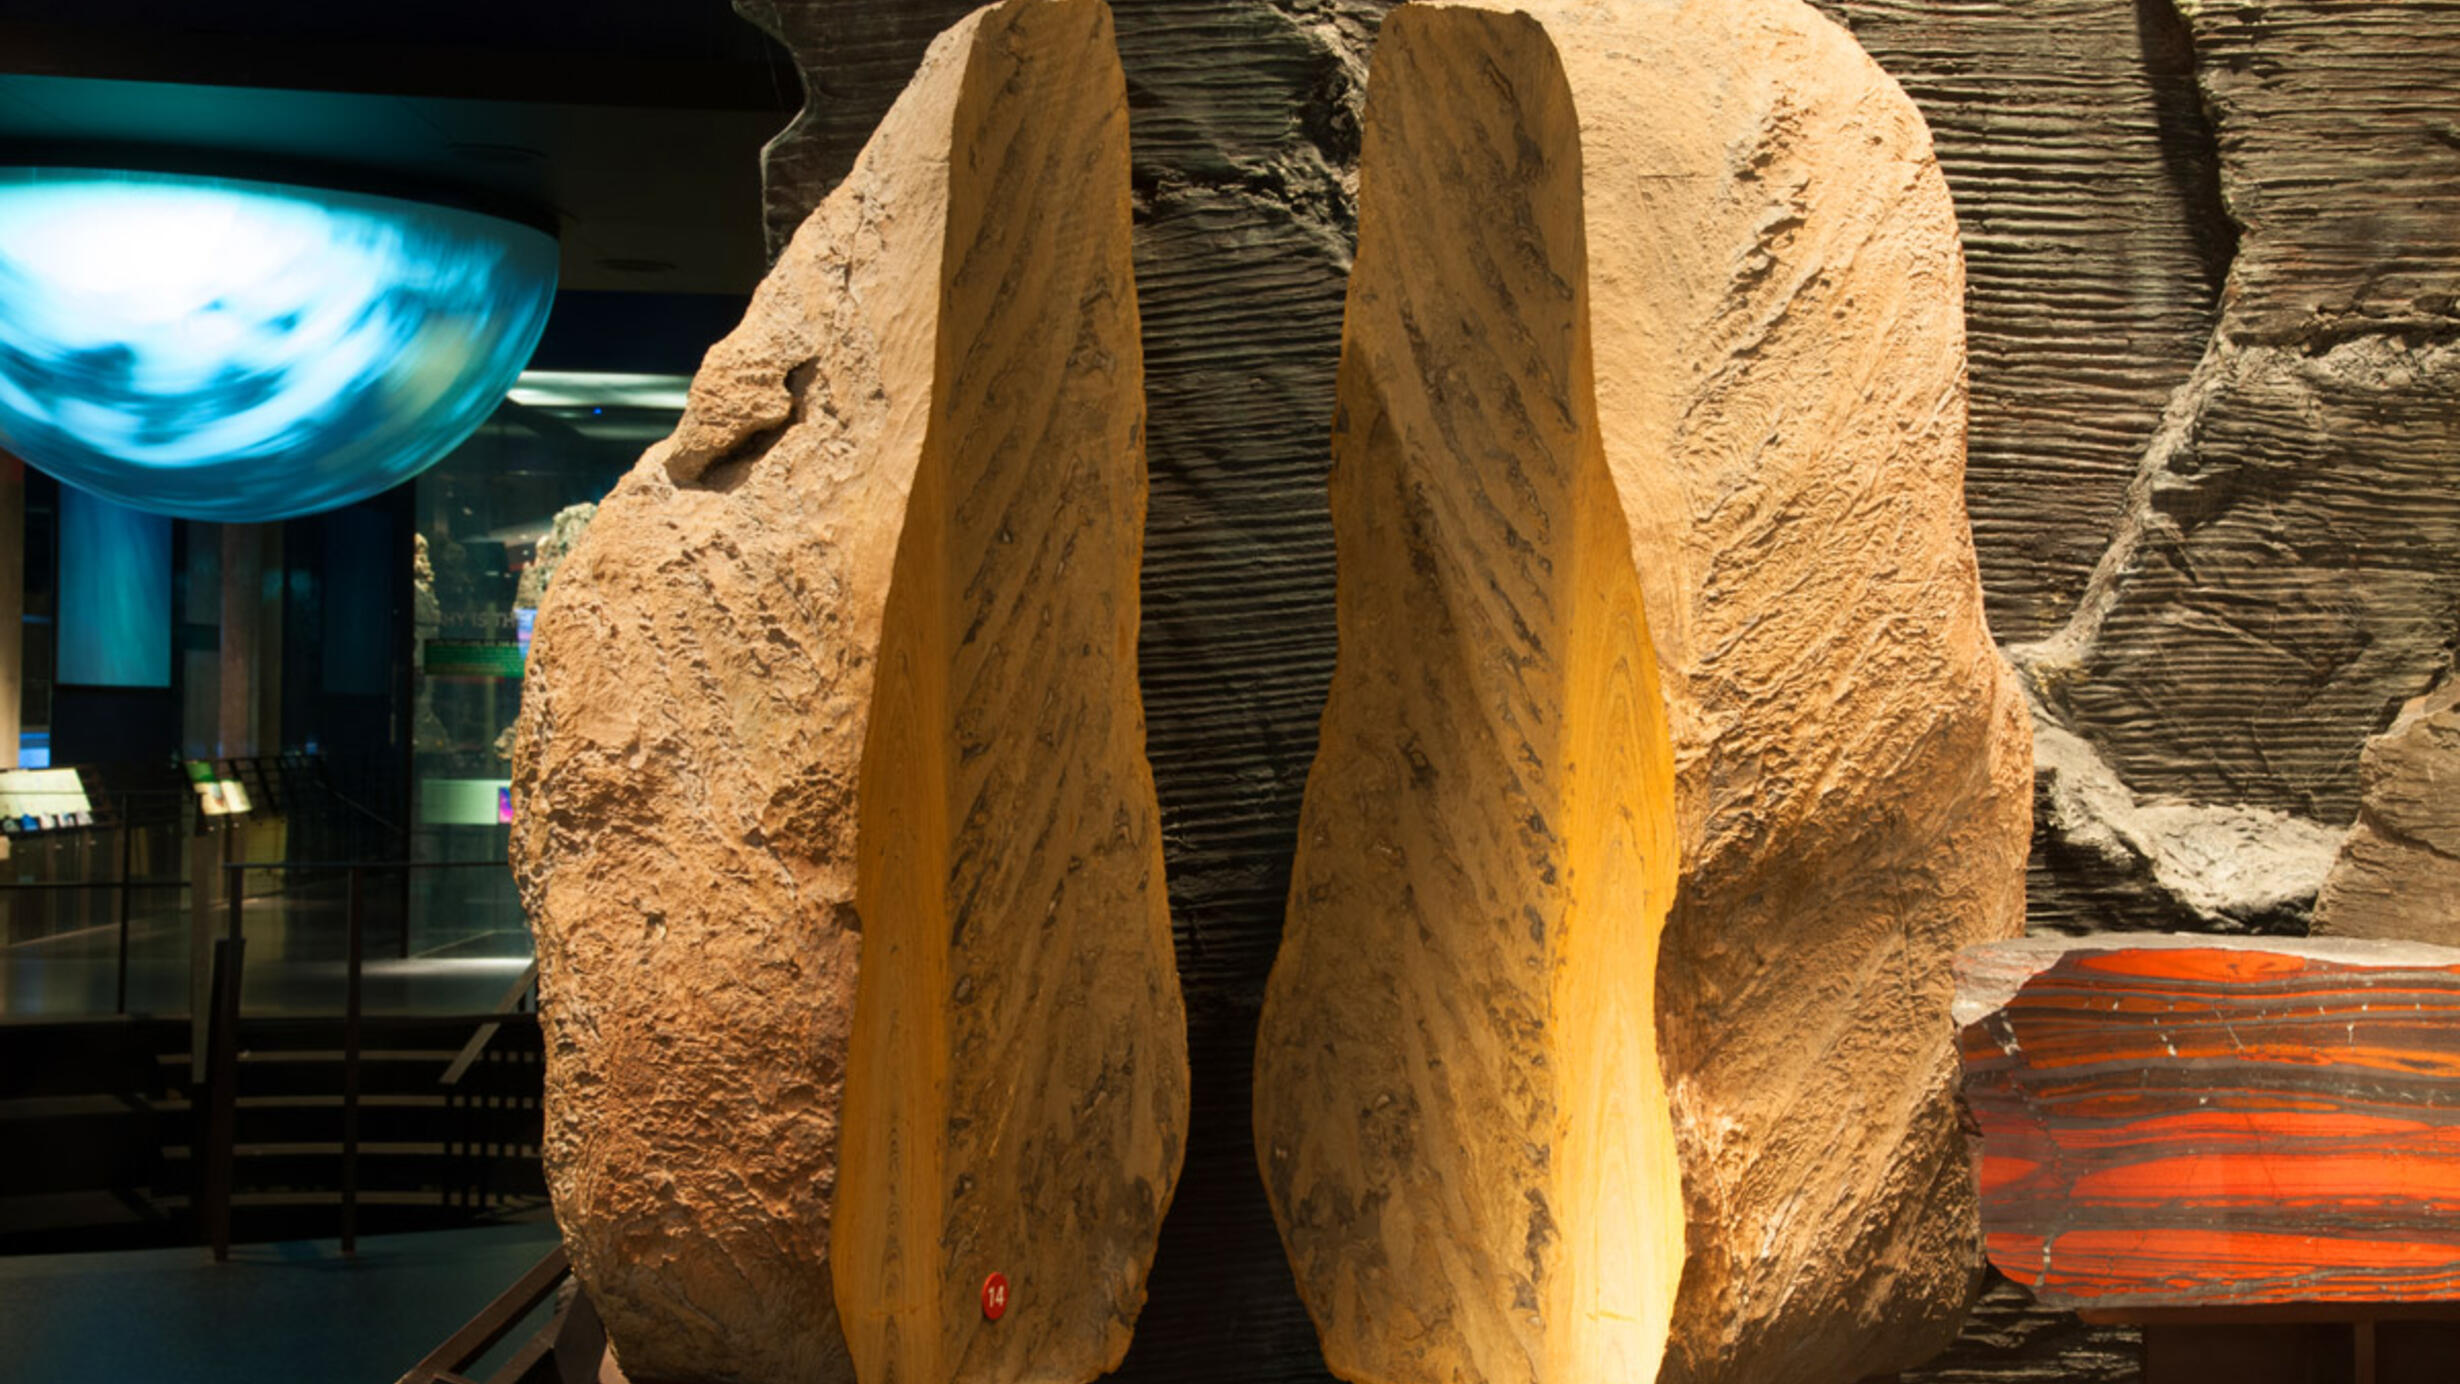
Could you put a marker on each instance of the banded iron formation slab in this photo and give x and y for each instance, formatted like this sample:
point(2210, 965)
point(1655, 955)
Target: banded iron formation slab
point(2175, 1122)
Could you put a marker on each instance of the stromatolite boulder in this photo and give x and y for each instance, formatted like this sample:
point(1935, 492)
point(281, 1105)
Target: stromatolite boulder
point(1770, 290)
point(2398, 873)
point(1781, 375)
point(834, 821)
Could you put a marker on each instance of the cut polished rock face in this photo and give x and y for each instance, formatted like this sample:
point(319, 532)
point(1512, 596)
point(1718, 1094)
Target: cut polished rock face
point(1770, 291)
point(2174, 1121)
point(1459, 1115)
point(834, 819)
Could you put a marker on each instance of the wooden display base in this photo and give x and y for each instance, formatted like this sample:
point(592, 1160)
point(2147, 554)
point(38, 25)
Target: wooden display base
point(2296, 1343)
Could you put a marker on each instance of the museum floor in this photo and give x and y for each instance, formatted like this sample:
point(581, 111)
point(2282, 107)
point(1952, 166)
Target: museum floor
point(296, 1310)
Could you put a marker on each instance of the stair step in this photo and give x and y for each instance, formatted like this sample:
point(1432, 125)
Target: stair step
point(72, 1057)
point(400, 1164)
point(98, 1122)
point(69, 1144)
point(90, 1105)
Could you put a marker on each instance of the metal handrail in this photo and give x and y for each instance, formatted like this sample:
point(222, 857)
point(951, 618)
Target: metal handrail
point(485, 1033)
point(126, 825)
point(37, 885)
point(575, 1338)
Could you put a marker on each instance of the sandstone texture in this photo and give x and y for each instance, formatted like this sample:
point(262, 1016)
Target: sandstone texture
point(1772, 284)
point(2398, 875)
point(1781, 384)
point(1459, 1115)
point(834, 821)
point(1245, 132)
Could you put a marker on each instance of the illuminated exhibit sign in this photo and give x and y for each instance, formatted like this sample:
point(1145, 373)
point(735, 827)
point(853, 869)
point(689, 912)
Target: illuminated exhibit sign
point(43, 800)
point(450, 802)
point(239, 351)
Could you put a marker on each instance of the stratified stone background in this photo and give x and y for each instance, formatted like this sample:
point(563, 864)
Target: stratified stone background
point(2213, 250)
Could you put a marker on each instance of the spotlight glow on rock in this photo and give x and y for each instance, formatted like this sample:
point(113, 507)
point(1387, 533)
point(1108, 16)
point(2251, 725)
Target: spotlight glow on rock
point(240, 351)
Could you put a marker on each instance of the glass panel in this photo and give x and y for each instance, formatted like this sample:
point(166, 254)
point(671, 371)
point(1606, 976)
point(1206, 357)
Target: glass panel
point(494, 519)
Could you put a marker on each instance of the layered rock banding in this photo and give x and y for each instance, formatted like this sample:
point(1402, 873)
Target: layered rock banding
point(1459, 1116)
point(1244, 147)
point(2217, 1122)
point(834, 820)
point(2276, 575)
point(2086, 190)
point(1772, 290)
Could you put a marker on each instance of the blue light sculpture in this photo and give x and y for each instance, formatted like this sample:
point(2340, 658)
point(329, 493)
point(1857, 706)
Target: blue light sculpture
point(240, 351)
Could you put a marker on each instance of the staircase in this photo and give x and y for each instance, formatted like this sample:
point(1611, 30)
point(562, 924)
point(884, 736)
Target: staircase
point(101, 1147)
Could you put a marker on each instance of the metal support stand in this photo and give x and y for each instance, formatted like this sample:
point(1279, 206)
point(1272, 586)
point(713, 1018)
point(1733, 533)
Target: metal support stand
point(350, 1065)
point(128, 854)
point(222, 1096)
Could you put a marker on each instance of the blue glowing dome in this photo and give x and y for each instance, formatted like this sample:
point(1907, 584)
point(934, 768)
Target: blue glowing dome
point(240, 351)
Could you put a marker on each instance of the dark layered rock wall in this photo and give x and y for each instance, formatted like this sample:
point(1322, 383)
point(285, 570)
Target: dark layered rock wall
point(2087, 195)
point(2273, 575)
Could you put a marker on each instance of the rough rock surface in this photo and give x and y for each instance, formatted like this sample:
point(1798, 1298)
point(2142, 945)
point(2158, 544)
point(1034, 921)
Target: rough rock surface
point(1781, 355)
point(832, 781)
point(2224, 652)
point(2222, 868)
point(1459, 1115)
point(1775, 287)
point(1244, 120)
point(2398, 874)
point(2008, 1338)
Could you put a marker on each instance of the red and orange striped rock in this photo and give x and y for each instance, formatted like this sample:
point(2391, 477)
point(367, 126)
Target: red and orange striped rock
point(2217, 1122)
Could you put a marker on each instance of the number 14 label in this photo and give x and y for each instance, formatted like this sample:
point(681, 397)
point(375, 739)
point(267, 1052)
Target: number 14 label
point(995, 1297)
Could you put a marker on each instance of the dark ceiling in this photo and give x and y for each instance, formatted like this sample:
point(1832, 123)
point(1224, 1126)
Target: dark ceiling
point(632, 126)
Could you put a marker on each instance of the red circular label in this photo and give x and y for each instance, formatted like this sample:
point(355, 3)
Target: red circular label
point(995, 1297)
